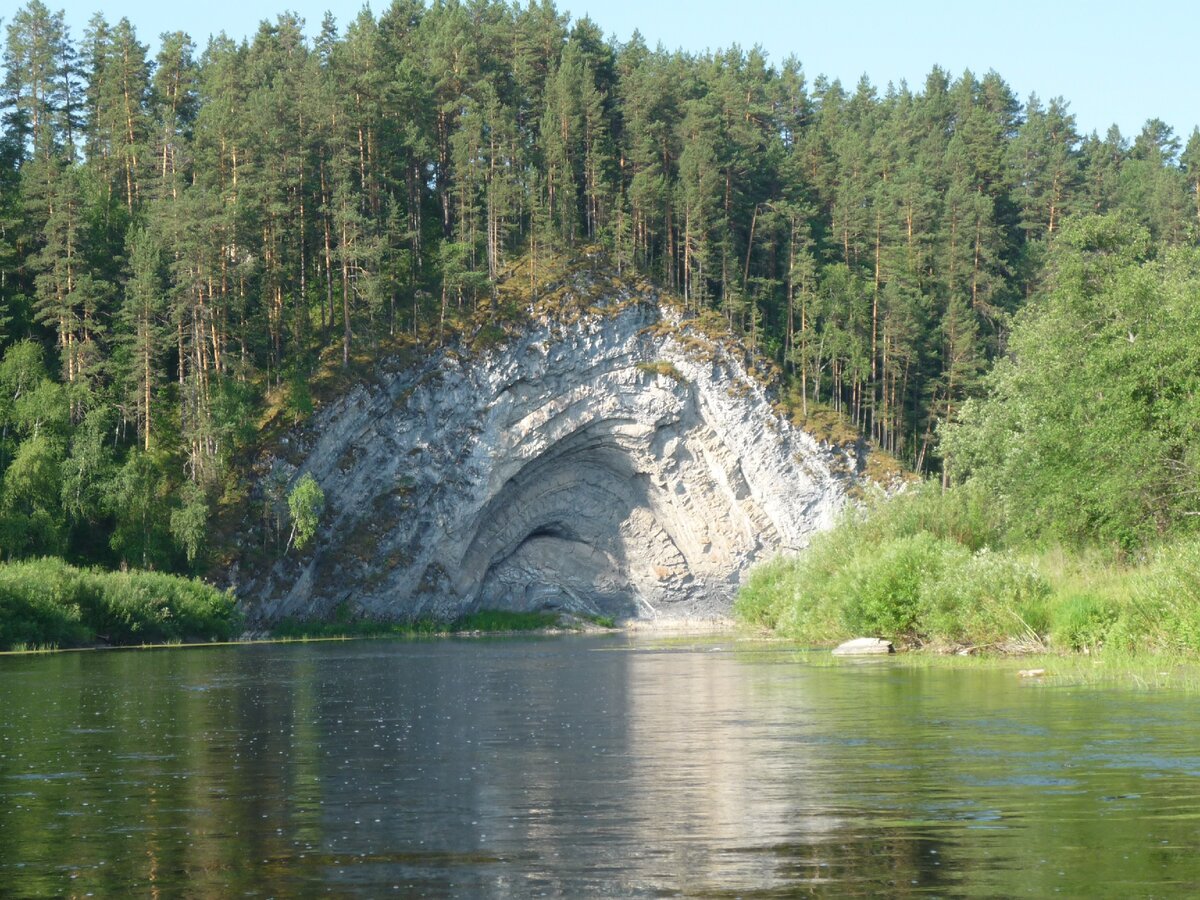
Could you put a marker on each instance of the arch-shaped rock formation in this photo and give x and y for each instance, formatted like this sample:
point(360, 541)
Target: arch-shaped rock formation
point(602, 467)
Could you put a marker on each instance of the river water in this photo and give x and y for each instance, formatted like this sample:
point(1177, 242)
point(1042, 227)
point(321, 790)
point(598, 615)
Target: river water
point(583, 766)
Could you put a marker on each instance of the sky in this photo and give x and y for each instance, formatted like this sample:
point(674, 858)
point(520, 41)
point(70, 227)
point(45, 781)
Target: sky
point(1114, 62)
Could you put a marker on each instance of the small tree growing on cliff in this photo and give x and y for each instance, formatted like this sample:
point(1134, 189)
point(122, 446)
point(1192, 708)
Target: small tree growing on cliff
point(306, 502)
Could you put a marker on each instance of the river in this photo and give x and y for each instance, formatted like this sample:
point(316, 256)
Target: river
point(583, 766)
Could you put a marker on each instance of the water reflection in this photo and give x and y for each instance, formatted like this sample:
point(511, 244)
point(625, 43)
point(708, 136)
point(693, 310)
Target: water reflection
point(581, 767)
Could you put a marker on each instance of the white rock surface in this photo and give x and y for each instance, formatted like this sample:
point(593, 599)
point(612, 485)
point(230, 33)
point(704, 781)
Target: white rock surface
point(864, 647)
point(553, 472)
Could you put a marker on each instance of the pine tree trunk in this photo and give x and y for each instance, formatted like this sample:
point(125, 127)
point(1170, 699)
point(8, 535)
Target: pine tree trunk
point(345, 299)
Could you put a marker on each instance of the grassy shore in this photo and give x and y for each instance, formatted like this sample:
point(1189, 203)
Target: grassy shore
point(933, 569)
point(1107, 668)
point(1111, 667)
point(485, 621)
point(46, 603)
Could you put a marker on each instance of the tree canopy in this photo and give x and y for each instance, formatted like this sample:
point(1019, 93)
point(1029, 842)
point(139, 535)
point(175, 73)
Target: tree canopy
point(188, 235)
point(1090, 428)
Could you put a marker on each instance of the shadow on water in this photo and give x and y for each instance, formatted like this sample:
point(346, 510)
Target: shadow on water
point(581, 767)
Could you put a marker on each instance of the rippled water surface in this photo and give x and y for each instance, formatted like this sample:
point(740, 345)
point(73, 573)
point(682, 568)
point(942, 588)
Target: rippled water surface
point(582, 766)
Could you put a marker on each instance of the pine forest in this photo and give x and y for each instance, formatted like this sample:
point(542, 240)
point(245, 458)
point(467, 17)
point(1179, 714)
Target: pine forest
point(189, 234)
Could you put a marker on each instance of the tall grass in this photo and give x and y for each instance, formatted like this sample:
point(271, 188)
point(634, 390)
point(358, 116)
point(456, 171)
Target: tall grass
point(916, 567)
point(934, 568)
point(47, 602)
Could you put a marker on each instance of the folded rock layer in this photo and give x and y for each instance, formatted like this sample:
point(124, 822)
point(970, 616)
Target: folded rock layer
point(608, 467)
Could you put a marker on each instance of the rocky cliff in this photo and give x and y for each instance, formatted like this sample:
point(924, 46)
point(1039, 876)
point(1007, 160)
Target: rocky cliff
point(618, 465)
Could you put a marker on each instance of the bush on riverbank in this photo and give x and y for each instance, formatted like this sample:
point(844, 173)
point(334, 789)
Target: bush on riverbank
point(933, 568)
point(47, 602)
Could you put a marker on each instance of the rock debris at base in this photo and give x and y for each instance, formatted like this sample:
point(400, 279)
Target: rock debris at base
point(864, 647)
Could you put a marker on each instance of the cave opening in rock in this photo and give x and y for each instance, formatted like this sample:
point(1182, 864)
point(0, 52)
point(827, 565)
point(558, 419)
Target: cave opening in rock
point(575, 528)
point(551, 530)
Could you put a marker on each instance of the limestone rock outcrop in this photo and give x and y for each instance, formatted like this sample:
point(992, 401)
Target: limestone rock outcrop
point(604, 467)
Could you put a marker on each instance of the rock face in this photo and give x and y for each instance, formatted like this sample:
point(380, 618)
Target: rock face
point(864, 647)
point(605, 467)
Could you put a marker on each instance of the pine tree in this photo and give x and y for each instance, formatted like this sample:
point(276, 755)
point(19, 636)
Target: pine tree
point(118, 94)
point(40, 84)
point(143, 315)
point(1189, 161)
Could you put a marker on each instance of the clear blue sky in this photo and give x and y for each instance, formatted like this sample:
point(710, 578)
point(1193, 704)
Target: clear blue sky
point(1116, 62)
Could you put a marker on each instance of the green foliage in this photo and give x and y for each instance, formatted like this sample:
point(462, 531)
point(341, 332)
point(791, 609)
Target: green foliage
point(1151, 606)
point(30, 517)
point(29, 401)
point(189, 523)
point(903, 588)
point(1164, 601)
point(883, 593)
point(1089, 430)
point(966, 515)
point(299, 397)
point(920, 567)
point(39, 606)
point(89, 466)
point(987, 598)
point(145, 607)
point(1083, 621)
point(137, 499)
point(183, 239)
point(904, 572)
point(235, 410)
point(772, 591)
point(305, 503)
point(498, 620)
point(47, 602)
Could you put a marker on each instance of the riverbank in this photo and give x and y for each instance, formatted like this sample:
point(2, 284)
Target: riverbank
point(484, 621)
point(1142, 671)
point(49, 604)
point(59, 599)
point(934, 570)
